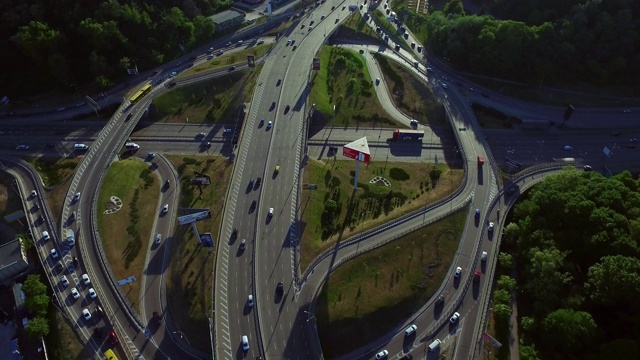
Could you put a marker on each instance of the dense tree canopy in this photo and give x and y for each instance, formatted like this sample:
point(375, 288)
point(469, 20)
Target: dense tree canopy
point(575, 245)
point(544, 41)
point(55, 45)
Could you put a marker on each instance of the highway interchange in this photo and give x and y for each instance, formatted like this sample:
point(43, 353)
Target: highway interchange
point(278, 327)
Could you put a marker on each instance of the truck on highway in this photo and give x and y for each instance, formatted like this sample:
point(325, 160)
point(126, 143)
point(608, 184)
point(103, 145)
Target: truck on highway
point(406, 134)
point(480, 160)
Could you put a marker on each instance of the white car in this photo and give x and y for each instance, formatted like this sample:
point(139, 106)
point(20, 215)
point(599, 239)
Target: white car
point(458, 272)
point(567, 148)
point(45, 236)
point(76, 197)
point(165, 208)
point(86, 314)
point(85, 279)
point(289, 42)
point(54, 253)
point(34, 193)
point(410, 330)
point(445, 86)
point(490, 227)
point(269, 124)
point(454, 318)
point(270, 212)
point(382, 354)
point(228, 43)
point(245, 343)
point(484, 256)
point(22, 147)
point(158, 239)
point(64, 281)
point(75, 293)
point(92, 293)
point(250, 301)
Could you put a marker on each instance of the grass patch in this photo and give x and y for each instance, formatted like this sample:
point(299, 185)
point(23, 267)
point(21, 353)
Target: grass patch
point(125, 234)
point(371, 205)
point(411, 94)
point(54, 171)
point(368, 296)
point(232, 58)
point(344, 82)
point(210, 101)
point(189, 284)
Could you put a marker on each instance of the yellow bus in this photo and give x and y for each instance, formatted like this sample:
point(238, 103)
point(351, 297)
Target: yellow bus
point(140, 93)
point(110, 355)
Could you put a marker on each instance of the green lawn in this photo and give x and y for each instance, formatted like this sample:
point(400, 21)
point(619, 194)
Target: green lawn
point(227, 59)
point(372, 205)
point(126, 234)
point(215, 100)
point(370, 295)
point(343, 83)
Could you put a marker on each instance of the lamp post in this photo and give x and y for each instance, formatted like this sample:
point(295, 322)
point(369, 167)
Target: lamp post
point(182, 336)
point(310, 315)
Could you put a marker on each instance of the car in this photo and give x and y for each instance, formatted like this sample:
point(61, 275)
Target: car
point(333, 8)
point(286, 109)
point(210, 50)
point(322, 17)
point(250, 185)
point(64, 281)
point(228, 43)
point(260, 42)
point(76, 197)
point(483, 257)
point(261, 122)
point(113, 338)
point(445, 86)
point(75, 293)
point(98, 310)
point(165, 208)
point(277, 169)
point(269, 124)
point(278, 83)
point(439, 301)
point(458, 272)
point(273, 106)
point(477, 213)
point(232, 68)
point(227, 131)
point(410, 330)
point(234, 233)
point(45, 236)
point(86, 314)
point(243, 244)
point(33, 193)
point(280, 289)
point(344, 7)
point(250, 301)
point(302, 26)
point(419, 49)
point(626, 111)
point(258, 182)
point(72, 216)
point(429, 69)
point(200, 134)
point(167, 183)
point(382, 354)
point(633, 140)
point(22, 147)
point(377, 81)
point(75, 261)
point(173, 73)
point(245, 342)
point(337, 20)
point(311, 23)
point(54, 253)
point(476, 275)
point(288, 42)
point(413, 45)
point(158, 239)
point(567, 148)
point(219, 53)
point(209, 57)
point(240, 42)
point(294, 48)
point(587, 168)
point(454, 318)
point(490, 227)
point(85, 279)
point(270, 212)
point(59, 265)
point(92, 293)
point(470, 89)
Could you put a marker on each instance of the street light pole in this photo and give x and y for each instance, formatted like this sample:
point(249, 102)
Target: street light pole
point(182, 336)
point(310, 315)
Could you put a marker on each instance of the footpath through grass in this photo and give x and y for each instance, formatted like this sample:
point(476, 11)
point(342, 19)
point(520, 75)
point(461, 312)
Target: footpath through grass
point(125, 234)
point(344, 93)
point(333, 213)
point(211, 101)
point(370, 295)
point(191, 266)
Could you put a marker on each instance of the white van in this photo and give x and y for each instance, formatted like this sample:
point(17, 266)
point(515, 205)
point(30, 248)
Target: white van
point(80, 147)
point(434, 345)
point(132, 146)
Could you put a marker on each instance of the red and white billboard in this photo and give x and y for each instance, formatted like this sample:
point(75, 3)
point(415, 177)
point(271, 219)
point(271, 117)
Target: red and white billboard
point(357, 150)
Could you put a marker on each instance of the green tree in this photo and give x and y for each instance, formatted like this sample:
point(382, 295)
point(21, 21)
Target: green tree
point(614, 279)
point(38, 327)
point(545, 278)
point(37, 304)
point(32, 286)
point(528, 352)
point(502, 296)
point(505, 260)
point(330, 206)
point(567, 330)
point(502, 311)
point(507, 283)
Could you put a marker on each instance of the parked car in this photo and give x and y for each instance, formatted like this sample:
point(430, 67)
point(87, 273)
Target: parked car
point(250, 301)
point(458, 272)
point(45, 236)
point(92, 293)
point(410, 330)
point(454, 318)
point(490, 227)
point(382, 354)
point(270, 212)
point(86, 314)
point(165, 208)
point(245, 342)
point(54, 253)
point(75, 293)
point(64, 281)
point(113, 338)
point(158, 239)
point(483, 257)
point(85, 279)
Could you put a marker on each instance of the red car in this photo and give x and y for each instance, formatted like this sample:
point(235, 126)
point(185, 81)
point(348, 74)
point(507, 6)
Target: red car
point(477, 275)
point(113, 338)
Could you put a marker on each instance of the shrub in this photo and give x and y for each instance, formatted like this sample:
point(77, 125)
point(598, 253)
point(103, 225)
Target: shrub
point(398, 174)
